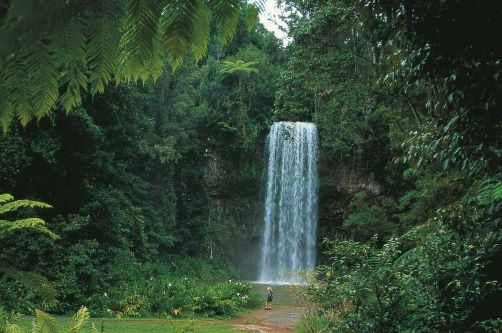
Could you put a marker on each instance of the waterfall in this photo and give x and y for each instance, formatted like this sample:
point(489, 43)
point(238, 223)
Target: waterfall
point(289, 239)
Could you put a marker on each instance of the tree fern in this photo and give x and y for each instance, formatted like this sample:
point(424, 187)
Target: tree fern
point(52, 51)
point(17, 83)
point(155, 65)
point(239, 67)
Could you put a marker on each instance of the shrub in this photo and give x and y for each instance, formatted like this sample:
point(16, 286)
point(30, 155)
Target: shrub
point(429, 280)
point(175, 296)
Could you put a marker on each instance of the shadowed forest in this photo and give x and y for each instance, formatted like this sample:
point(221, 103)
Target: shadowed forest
point(133, 162)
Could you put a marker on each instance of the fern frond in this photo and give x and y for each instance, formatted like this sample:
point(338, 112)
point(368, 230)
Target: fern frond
point(176, 26)
point(32, 281)
point(201, 30)
point(140, 26)
point(252, 16)
point(17, 85)
point(5, 197)
point(15, 205)
point(13, 328)
point(52, 51)
point(79, 320)
point(43, 75)
point(44, 323)
point(102, 49)
point(260, 4)
point(226, 14)
point(6, 108)
point(30, 21)
point(491, 192)
point(155, 67)
point(239, 67)
point(33, 223)
point(8, 204)
point(73, 77)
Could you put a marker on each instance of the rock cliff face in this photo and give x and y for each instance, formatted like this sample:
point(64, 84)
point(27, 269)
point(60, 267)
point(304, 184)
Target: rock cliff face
point(236, 204)
point(235, 215)
point(337, 185)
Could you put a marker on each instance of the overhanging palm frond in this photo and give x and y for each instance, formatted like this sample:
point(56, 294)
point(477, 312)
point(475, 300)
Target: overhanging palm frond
point(226, 13)
point(140, 28)
point(74, 78)
point(176, 26)
point(252, 16)
point(52, 51)
point(102, 51)
point(201, 30)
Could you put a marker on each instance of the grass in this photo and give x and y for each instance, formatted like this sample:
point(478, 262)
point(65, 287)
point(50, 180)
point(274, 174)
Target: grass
point(140, 325)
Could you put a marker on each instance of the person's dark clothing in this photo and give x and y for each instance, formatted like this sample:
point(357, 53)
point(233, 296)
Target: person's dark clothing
point(270, 296)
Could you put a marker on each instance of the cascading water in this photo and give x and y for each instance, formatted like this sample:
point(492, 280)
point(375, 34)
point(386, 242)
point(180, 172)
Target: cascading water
point(289, 240)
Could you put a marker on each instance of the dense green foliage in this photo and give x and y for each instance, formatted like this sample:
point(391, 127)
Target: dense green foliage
point(175, 296)
point(409, 119)
point(54, 51)
point(135, 175)
point(153, 184)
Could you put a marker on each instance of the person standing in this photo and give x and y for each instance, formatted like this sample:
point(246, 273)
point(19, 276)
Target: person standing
point(270, 296)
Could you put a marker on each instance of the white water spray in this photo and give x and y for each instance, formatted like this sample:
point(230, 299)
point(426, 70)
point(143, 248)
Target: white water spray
point(289, 239)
